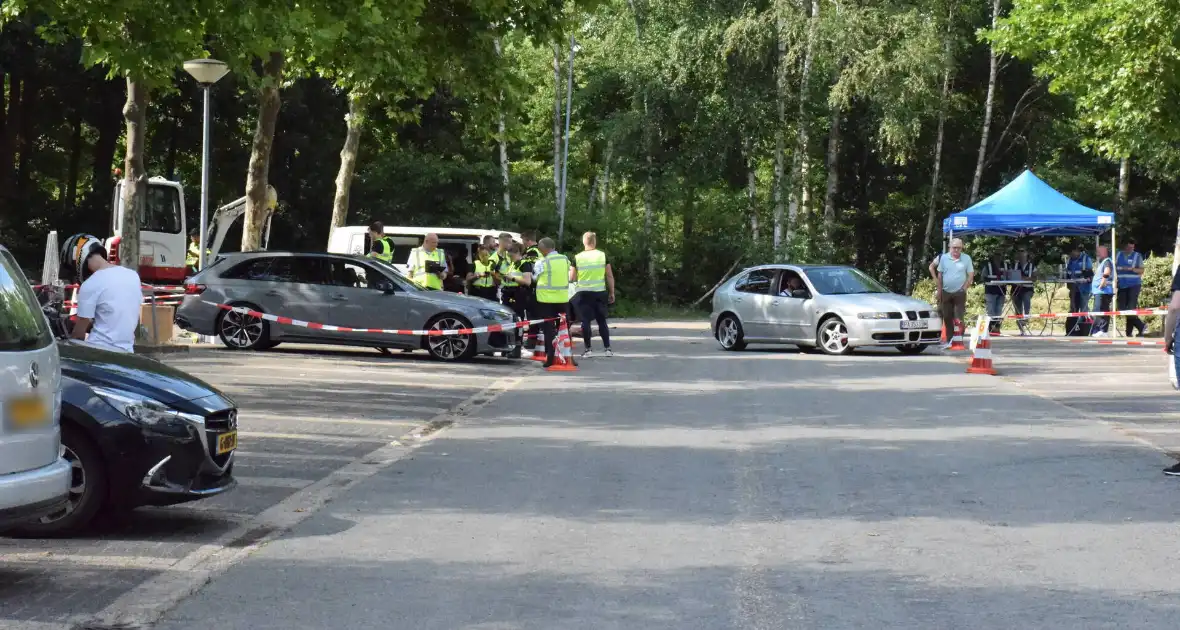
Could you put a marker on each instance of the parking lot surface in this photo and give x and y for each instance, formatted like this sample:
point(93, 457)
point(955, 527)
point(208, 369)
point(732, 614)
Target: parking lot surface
point(673, 486)
point(305, 412)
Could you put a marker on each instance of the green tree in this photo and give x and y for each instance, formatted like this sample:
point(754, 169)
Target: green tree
point(143, 41)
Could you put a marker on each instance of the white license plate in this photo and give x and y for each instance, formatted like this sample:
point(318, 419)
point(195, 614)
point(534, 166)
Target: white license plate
point(920, 324)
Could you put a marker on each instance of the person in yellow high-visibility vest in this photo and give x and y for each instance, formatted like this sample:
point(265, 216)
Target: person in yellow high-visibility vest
point(551, 276)
point(192, 257)
point(381, 246)
point(595, 290)
point(481, 280)
point(428, 265)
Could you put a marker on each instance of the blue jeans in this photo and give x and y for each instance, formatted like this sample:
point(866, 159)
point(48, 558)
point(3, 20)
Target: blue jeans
point(1022, 302)
point(1101, 303)
point(995, 308)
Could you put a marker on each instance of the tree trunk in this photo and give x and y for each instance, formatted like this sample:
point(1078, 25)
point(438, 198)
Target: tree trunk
point(355, 121)
point(1124, 183)
point(833, 183)
point(70, 198)
point(604, 191)
point(799, 159)
point(988, 106)
point(257, 205)
point(173, 140)
point(931, 201)
point(134, 174)
point(557, 125)
point(687, 262)
point(503, 141)
point(780, 134)
point(751, 190)
point(649, 181)
point(8, 139)
point(28, 134)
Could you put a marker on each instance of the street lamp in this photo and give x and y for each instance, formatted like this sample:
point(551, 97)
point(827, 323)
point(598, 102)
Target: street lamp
point(569, 98)
point(206, 72)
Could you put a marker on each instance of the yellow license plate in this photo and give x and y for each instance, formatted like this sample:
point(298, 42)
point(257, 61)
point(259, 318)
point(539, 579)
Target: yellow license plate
point(27, 413)
point(227, 442)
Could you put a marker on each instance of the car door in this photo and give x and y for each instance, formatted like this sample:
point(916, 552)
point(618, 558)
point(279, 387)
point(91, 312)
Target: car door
point(789, 316)
point(751, 300)
point(363, 297)
point(297, 287)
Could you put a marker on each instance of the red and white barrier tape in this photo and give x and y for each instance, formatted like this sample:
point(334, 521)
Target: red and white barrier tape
point(428, 333)
point(1137, 311)
point(1093, 341)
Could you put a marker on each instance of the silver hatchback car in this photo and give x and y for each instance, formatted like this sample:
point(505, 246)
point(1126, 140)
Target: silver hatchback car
point(337, 290)
point(34, 479)
point(830, 307)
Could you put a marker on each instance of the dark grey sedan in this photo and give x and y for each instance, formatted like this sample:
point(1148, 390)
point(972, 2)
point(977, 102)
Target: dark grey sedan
point(338, 290)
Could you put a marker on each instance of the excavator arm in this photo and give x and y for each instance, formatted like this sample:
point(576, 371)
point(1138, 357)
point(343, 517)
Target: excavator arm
point(225, 216)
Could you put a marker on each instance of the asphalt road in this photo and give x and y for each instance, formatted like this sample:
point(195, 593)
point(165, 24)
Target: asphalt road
point(676, 486)
point(306, 414)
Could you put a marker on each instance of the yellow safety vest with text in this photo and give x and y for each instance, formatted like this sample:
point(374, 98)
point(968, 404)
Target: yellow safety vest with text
point(591, 266)
point(418, 268)
point(553, 285)
point(484, 282)
point(387, 256)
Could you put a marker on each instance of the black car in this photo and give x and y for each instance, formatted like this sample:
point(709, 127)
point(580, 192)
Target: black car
point(137, 432)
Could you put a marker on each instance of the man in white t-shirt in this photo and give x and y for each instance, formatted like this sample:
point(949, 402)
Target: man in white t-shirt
point(108, 300)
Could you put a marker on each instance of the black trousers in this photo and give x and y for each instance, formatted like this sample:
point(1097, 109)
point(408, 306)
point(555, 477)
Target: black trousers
point(549, 328)
point(509, 298)
point(591, 307)
point(1129, 300)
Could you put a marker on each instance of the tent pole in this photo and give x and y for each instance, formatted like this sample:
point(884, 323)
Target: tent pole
point(1114, 257)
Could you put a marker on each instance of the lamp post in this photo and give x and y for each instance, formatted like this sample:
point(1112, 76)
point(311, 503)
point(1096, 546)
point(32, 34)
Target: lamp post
point(206, 72)
point(569, 98)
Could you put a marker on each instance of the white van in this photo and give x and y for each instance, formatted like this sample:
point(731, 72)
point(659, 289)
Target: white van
point(459, 243)
point(34, 479)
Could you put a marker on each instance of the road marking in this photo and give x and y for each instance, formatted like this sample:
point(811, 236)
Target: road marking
point(41, 558)
point(306, 457)
point(333, 439)
point(274, 482)
point(425, 411)
point(149, 601)
point(11, 624)
point(240, 382)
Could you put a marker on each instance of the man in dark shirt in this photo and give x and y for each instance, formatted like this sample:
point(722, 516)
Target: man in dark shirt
point(1170, 345)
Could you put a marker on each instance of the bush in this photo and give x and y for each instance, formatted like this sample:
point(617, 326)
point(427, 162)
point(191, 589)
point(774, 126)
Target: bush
point(1157, 282)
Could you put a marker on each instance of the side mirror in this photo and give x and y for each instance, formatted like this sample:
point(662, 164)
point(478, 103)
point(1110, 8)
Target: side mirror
point(802, 294)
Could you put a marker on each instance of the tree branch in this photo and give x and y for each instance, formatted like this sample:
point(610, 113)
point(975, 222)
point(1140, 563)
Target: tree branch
point(1017, 111)
point(719, 283)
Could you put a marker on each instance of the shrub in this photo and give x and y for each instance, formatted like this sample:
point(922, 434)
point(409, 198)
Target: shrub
point(1157, 287)
point(924, 289)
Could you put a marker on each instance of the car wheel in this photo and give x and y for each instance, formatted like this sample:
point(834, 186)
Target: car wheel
point(450, 347)
point(729, 334)
point(913, 348)
point(88, 488)
point(239, 331)
point(832, 336)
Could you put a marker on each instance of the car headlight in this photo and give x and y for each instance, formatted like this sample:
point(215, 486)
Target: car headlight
point(496, 316)
point(872, 315)
point(142, 409)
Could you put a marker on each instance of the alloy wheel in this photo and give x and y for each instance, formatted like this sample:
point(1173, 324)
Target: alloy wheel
point(833, 336)
point(241, 330)
point(727, 333)
point(77, 486)
point(448, 347)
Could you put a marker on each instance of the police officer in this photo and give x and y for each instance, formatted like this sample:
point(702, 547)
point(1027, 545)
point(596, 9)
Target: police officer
point(192, 258)
point(428, 264)
point(532, 253)
point(551, 277)
point(482, 279)
point(382, 245)
point(502, 261)
point(596, 289)
point(516, 286)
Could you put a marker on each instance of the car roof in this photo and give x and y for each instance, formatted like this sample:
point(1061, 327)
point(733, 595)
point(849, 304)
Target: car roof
point(282, 254)
point(808, 267)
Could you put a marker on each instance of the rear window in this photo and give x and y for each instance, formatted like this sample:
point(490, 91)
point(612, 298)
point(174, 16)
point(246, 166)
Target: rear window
point(22, 324)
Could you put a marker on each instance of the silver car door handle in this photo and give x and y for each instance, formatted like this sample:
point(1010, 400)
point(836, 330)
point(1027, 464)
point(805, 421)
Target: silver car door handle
point(737, 299)
point(340, 297)
point(274, 294)
point(774, 303)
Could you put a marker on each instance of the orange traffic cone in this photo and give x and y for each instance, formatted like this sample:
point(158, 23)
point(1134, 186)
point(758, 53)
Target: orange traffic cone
point(981, 352)
point(539, 346)
point(957, 339)
point(563, 358)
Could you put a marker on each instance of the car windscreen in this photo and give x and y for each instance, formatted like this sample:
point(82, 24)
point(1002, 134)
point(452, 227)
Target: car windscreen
point(22, 324)
point(401, 281)
point(843, 281)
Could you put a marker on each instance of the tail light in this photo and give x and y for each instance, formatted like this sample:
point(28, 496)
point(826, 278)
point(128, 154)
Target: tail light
point(194, 289)
point(113, 249)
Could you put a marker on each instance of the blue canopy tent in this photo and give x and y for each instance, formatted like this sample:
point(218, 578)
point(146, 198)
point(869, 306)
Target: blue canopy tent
point(1028, 207)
